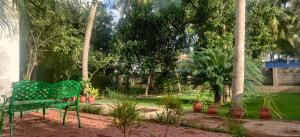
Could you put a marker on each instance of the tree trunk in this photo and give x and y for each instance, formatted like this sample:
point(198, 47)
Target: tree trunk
point(239, 56)
point(217, 94)
point(178, 83)
point(226, 95)
point(87, 38)
point(149, 81)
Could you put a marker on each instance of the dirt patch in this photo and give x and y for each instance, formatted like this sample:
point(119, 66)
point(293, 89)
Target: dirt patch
point(272, 129)
point(32, 125)
point(205, 120)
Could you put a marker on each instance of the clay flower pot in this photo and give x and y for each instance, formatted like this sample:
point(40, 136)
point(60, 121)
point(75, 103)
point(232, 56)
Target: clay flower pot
point(73, 99)
point(238, 113)
point(265, 113)
point(197, 106)
point(82, 99)
point(212, 109)
point(91, 99)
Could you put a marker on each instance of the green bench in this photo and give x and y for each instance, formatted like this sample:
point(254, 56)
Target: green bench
point(30, 95)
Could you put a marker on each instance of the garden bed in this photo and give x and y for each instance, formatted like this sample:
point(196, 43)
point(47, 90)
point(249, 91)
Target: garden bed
point(32, 125)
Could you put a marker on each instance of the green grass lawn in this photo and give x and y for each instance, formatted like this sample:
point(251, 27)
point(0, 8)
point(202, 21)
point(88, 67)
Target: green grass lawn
point(287, 103)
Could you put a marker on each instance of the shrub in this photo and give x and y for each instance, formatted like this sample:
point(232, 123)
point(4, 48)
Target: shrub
point(125, 116)
point(87, 108)
point(235, 128)
point(172, 111)
point(111, 93)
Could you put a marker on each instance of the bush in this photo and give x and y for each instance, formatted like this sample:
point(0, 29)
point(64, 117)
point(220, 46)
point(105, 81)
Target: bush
point(125, 116)
point(87, 108)
point(172, 111)
point(171, 103)
point(114, 94)
point(235, 128)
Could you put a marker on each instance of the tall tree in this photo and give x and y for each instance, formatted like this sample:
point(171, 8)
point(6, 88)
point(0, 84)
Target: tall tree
point(239, 54)
point(87, 39)
point(152, 39)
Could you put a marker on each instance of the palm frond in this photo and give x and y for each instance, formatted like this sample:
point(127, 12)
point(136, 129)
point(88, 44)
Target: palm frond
point(5, 20)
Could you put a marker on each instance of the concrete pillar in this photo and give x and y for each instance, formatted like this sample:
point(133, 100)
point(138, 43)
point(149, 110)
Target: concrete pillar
point(275, 77)
point(9, 56)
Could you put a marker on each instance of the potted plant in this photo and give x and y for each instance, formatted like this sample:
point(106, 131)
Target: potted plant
point(197, 103)
point(239, 110)
point(82, 99)
point(213, 109)
point(197, 106)
point(92, 94)
point(268, 107)
point(73, 99)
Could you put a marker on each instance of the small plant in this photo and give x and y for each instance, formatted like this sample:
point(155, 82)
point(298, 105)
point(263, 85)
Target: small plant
point(234, 128)
point(125, 116)
point(111, 93)
point(198, 104)
point(93, 92)
point(87, 108)
point(270, 105)
point(173, 110)
point(239, 109)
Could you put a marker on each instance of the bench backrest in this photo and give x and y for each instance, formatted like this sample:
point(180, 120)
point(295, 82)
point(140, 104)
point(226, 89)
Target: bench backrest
point(66, 89)
point(32, 90)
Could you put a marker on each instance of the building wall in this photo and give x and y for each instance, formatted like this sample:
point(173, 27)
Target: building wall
point(288, 76)
point(282, 76)
point(9, 57)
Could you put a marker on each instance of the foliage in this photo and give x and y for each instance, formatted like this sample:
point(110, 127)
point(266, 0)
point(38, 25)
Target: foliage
point(263, 27)
point(150, 40)
point(269, 103)
point(213, 66)
point(126, 116)
point(93, 92)
point(56, 32)
point(199, 93)
point(172, 113)
point(211, 21)
point(235, 128)
point(88, 108)
point(170, 102)
point(114, 94)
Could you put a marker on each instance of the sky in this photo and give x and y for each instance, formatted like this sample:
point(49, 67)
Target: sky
point(110, 8)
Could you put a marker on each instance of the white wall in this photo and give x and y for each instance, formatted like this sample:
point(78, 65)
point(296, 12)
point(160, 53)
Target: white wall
point(9, 57)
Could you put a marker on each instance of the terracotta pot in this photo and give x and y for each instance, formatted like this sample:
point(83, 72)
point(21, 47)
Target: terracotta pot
point(82, 99)
point(197, 106)
point(212, 110)
point(265, 113)
point(238, 113)
point(91, 99)
point(73, 99)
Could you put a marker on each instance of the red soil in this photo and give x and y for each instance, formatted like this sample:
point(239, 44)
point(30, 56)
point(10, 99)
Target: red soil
point(32, 125)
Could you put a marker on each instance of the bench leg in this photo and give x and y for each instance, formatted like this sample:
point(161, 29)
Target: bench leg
point(11, 123)
point(21, 114)
point(78, 115)
point(64, 118)
point(44, 112)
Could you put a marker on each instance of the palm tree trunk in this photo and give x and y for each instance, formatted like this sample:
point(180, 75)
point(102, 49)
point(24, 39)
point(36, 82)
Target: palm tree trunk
point(239, 56)
point(87, 38)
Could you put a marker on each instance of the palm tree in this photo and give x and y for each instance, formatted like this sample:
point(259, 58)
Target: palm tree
point(212, 66)
point(239, 55)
